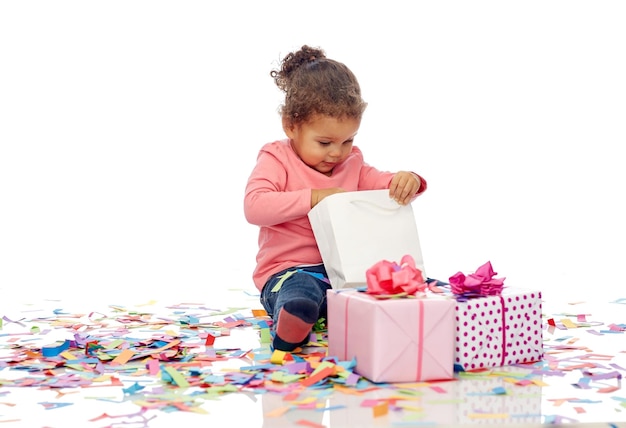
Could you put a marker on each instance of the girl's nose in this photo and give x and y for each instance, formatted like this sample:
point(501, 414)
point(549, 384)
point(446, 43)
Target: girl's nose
point(335, 152)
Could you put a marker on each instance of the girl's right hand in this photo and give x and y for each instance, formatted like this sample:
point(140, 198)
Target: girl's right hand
point(318, 194)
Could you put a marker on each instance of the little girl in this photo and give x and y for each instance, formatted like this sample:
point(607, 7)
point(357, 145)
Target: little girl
point(321, 115)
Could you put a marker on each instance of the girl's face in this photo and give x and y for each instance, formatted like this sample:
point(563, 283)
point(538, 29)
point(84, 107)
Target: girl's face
point(323, 142)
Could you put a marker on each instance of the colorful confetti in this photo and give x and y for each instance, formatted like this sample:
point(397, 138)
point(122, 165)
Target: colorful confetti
point(148, 363)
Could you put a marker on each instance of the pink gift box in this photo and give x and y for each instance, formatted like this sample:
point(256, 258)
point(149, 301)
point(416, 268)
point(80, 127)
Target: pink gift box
point(496, 331)
point(393, 340)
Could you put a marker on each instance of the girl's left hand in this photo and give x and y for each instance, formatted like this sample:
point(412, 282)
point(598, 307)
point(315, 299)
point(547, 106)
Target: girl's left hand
point(403, 187)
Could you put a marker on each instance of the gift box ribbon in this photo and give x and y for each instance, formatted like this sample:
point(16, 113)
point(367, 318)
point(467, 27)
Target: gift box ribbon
point(478, 284)
point(503, 344)
point(391, 278)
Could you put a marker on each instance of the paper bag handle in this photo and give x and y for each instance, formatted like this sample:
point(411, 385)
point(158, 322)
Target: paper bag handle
point(380, 209)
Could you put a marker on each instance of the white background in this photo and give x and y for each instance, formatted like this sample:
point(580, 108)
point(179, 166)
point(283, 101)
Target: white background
point(128, 130)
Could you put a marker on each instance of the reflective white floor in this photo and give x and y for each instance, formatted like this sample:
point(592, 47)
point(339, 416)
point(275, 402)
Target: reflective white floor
point(578, 383)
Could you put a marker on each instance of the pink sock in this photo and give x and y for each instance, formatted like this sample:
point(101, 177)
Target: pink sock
point(295, 321)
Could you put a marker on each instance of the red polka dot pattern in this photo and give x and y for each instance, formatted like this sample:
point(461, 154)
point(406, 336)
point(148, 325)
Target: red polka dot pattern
point(499, 330)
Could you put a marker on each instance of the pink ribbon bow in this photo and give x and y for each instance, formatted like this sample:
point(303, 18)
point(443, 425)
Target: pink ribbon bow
point(387, 278)
point(479, 283)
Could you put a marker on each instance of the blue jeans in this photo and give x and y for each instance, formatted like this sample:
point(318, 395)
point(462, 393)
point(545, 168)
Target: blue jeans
point(309, 282)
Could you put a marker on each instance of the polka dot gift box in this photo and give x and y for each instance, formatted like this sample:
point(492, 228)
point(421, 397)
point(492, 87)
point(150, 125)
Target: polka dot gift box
point(495, 326)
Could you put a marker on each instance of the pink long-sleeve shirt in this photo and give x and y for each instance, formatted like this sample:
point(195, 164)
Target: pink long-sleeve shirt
point(278, 199)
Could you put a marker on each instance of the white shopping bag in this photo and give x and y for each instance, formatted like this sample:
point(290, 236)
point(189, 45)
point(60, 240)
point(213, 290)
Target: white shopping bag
point(355, 230)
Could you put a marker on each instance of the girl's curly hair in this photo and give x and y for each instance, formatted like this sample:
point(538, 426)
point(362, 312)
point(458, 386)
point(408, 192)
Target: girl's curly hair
point(316, 85)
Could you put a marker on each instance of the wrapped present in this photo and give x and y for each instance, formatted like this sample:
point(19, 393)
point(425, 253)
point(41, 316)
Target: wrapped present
point(495, 326)
point(393, 339)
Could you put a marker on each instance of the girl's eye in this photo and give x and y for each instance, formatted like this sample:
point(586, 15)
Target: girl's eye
point(325, 143)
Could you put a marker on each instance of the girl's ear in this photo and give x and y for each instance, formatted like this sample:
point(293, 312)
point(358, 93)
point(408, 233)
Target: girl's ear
point(288, 127)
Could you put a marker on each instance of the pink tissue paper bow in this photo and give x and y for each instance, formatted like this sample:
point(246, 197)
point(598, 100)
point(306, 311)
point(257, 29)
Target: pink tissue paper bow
point(480, 283)
point(387, 277)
